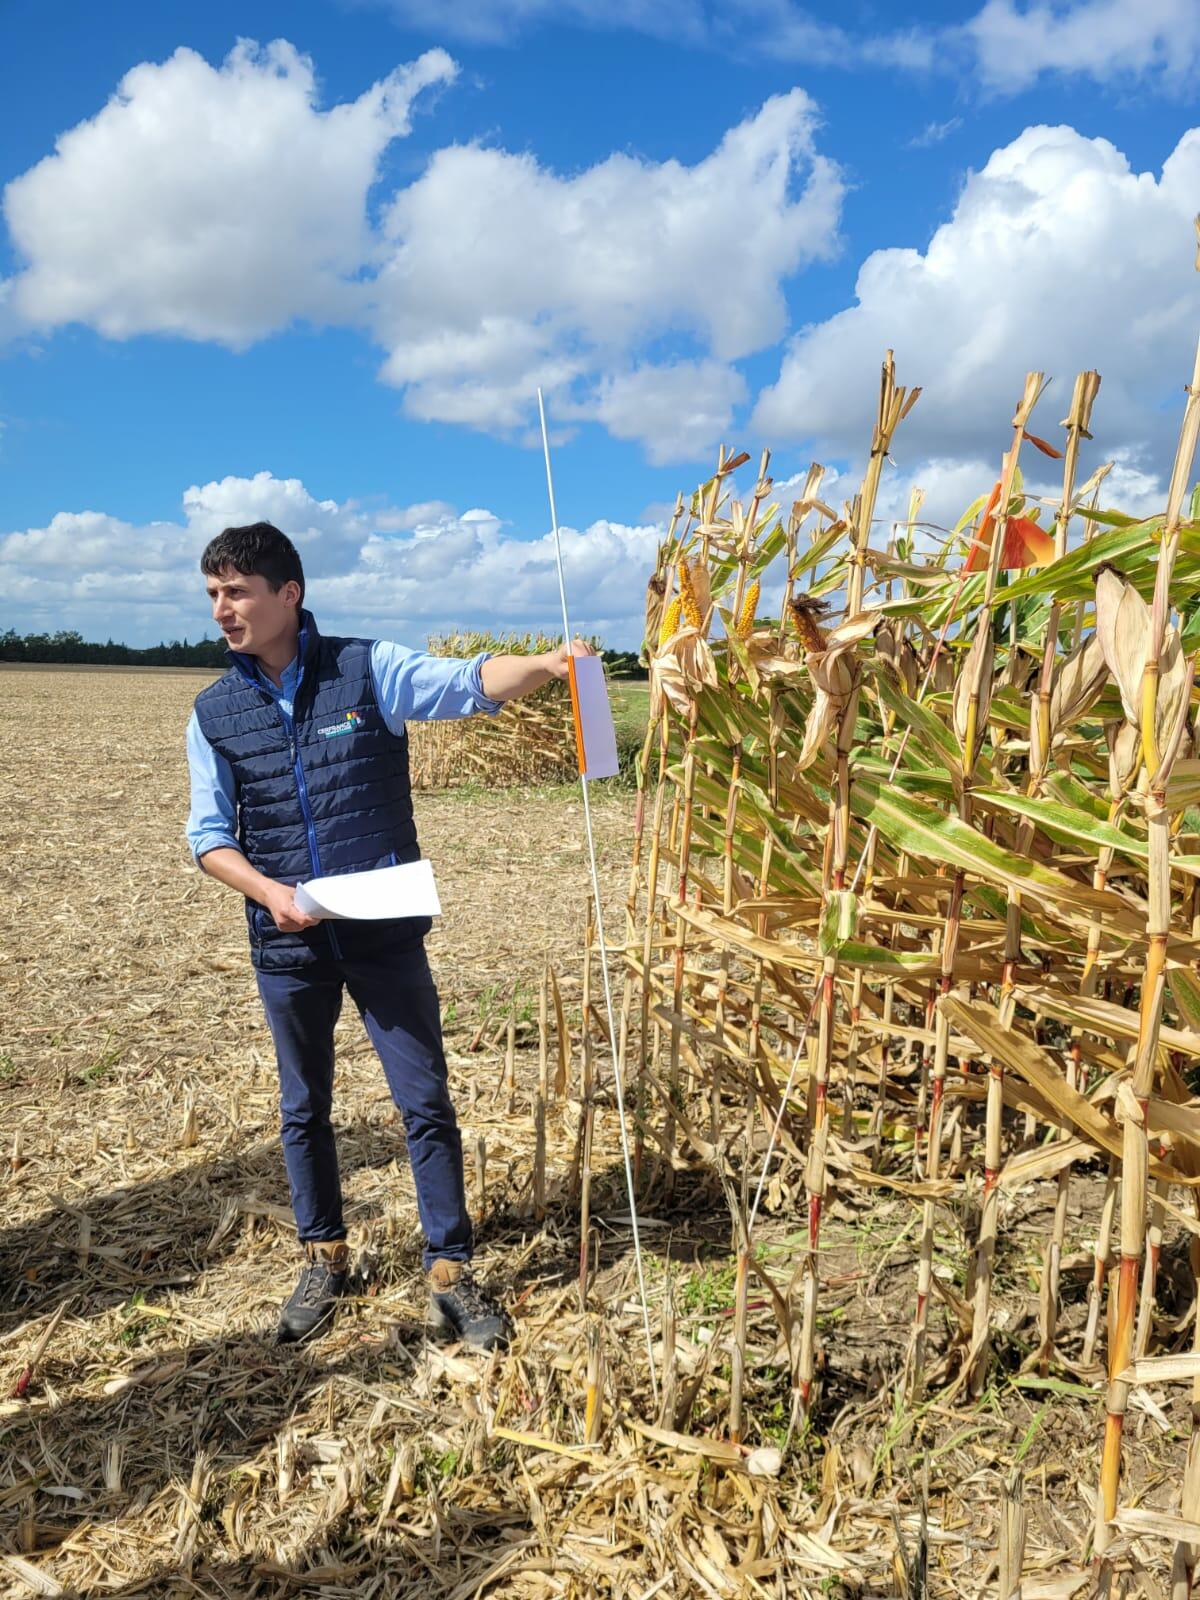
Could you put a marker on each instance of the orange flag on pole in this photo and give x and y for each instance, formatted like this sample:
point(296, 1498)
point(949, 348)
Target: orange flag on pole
point(1025, 544)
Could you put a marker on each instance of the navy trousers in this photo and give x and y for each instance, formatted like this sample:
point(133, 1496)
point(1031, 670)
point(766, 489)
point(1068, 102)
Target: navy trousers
point(398, 1002)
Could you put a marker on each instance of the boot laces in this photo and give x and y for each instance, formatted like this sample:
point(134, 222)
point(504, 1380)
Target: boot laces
point(474, 1301)
point(315, 1284)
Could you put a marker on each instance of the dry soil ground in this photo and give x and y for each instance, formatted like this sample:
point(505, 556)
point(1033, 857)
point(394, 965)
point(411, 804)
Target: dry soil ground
point(164, 1446)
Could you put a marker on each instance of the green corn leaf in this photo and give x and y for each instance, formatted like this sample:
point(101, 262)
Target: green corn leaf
point(1030, 1380)
point(839, 920)
point(833, 582)
point(1107, 519)
point(728, 721)
point(1065, 786)
point(767, 546)
point(817, 551)
point(972, 511)
point(738, 650)
point(994, 904)
point(1076, 824)
point(933, 737)
point(878, 958)
point(1183, 786)
point(938, 785)
point(1190, 636)
point(1066, 822)
point(916, 605)
point(909, 824)
point(1185, 991)
point(1071, 578)
point(886, 566)
point(1009, 710)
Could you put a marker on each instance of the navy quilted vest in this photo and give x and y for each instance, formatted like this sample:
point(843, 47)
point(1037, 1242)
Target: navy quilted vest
point(334, 796)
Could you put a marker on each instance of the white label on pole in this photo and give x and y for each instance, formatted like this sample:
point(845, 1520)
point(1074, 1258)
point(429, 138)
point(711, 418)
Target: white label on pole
point(596, 729)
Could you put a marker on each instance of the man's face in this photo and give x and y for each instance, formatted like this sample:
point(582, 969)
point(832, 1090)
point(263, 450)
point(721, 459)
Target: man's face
point(252, 616)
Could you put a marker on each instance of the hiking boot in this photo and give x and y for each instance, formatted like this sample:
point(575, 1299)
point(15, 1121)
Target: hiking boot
point(460, 1309)
point(322, 1282)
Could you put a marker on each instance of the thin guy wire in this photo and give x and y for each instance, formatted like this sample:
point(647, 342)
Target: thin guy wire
point(612, 1029)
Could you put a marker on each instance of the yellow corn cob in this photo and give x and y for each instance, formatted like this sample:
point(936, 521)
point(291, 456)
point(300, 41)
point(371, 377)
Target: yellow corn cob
point(745, 622)
point(670, 621)
point(687, 595)
point(804, 615)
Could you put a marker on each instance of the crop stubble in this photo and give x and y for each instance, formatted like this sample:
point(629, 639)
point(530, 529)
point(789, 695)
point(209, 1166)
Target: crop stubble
point(162, 1435)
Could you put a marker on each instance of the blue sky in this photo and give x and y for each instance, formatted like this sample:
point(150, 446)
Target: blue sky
point(250, 283)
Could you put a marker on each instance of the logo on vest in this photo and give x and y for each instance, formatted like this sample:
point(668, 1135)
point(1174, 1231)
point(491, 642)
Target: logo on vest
point(353, 720)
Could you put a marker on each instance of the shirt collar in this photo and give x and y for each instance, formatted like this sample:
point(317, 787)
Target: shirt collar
point(306, 648)
point(290, 673)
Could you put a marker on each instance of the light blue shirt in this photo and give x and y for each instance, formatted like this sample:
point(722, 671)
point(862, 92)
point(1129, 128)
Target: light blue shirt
point(410, 686)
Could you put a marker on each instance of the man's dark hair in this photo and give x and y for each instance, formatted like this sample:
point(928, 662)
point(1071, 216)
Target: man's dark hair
point(257, 548)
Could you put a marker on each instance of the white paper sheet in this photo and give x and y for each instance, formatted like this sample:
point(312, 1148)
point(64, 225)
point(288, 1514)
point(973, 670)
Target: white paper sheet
point(407, 891)
point(595, 718)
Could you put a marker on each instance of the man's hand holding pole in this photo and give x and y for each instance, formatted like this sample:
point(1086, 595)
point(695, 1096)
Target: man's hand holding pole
point(509, 677)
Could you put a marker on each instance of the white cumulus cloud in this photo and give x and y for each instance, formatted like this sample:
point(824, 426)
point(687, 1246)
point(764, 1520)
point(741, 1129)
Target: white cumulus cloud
point(224, 203)
point(503, 275)
point(679, 409)
point(1058, 256)
point(214, 202)
point(1015, 44)
point(1007, 44)
point(400, 572)
point(779, 28)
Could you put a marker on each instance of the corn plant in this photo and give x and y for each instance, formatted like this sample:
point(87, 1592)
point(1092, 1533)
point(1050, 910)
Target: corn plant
point(919, 797)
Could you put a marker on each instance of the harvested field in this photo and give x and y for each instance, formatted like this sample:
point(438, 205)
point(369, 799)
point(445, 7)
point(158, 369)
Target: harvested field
point(163, 1446)
point(531, 741)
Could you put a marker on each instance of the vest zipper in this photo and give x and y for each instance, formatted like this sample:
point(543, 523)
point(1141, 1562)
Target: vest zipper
point(289, 727)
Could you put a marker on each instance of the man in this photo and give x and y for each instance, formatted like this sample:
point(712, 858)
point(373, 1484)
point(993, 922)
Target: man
point(299, 768)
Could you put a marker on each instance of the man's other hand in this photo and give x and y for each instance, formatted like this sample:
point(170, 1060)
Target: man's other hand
point(556, 660)
point(280, 901)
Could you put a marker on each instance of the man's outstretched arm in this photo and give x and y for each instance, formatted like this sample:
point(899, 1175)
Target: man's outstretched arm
point(412, 685)
point(509, 677)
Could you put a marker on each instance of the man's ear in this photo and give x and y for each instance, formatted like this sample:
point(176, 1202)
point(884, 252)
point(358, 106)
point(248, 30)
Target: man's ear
point(291, 593)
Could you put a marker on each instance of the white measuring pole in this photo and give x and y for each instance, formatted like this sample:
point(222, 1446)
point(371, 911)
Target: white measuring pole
point(612, 1030)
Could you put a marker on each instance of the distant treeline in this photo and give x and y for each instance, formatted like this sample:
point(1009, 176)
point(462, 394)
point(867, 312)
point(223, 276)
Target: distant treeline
point(624, 664)
point(68, 648)
point(71, 648)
